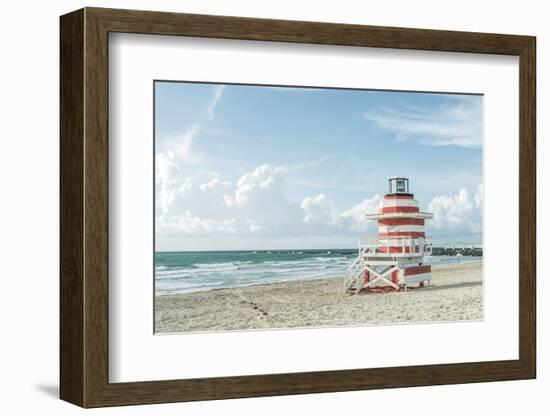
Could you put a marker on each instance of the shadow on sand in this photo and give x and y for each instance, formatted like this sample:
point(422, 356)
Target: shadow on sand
point(453, 286)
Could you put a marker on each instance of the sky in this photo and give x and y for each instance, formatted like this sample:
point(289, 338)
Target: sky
point(241, 167)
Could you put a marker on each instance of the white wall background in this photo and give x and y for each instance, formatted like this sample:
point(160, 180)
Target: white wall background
point(29, 206)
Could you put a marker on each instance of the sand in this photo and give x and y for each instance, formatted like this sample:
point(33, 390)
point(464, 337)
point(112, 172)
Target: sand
point(455, 294)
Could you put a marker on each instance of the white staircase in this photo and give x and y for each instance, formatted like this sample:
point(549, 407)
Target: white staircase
point(353, 279)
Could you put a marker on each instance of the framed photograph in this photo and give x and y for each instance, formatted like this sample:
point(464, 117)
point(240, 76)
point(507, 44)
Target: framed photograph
point(254, 207)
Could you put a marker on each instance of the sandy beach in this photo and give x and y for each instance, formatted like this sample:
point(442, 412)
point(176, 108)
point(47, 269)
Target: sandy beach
point(455, 294)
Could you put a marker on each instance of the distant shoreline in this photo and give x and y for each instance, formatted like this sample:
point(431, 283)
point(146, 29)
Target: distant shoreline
point(455, 294)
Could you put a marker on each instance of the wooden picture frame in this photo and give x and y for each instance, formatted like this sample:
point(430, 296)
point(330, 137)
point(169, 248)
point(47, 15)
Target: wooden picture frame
point(84, 207)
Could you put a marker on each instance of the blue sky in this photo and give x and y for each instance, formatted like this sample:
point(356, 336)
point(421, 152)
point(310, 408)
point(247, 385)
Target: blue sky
point(252, 167)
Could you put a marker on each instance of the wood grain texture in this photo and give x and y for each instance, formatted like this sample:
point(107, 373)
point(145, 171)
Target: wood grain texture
point(71, 213)
point(84, 207)
point(96, 208)
point(527, 208)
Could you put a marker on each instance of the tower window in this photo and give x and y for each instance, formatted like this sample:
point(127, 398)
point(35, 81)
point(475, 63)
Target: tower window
point(399, 185)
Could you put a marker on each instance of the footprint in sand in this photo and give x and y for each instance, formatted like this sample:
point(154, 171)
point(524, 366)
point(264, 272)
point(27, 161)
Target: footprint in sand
point(257, 308)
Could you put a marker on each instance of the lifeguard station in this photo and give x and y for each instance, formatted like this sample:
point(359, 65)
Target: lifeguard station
point(393, 260)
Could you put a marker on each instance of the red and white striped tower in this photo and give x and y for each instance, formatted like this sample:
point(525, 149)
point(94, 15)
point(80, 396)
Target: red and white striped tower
point(394, 259)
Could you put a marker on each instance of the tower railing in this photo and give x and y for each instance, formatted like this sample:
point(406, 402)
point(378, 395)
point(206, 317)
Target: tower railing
point(395, 246)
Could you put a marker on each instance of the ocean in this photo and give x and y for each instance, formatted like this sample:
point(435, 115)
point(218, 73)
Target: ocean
point(194, 271)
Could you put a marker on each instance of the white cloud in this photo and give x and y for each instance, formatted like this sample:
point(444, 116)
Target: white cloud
point(206, 204)
point(261, 202)
point(213, 184)
point(190, 205)
point(167, 172)
point(355, 216)
point(182, 144)
point(318, 210)
point(256, 206)
point(458, 213)
point(253, 187)
point(456, 123)
point(187, 224)
point(218, 92)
